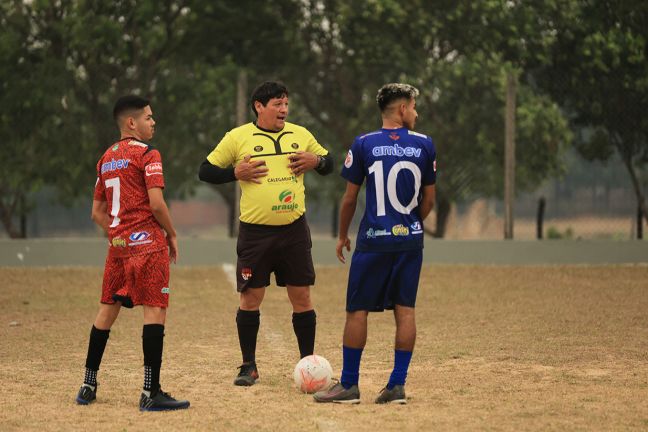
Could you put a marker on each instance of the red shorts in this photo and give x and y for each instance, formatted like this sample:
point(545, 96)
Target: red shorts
point(140, 279)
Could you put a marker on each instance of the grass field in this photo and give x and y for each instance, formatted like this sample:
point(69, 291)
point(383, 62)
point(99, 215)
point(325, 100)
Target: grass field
point(499, 348)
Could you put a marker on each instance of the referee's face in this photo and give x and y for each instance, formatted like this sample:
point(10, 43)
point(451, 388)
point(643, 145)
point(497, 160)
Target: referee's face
point(273, 115)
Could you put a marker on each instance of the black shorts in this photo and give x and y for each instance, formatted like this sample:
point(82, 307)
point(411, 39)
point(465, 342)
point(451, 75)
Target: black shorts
point(284, 250)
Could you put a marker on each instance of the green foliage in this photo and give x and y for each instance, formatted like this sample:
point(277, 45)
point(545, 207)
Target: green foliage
point(599, 74)
point(65, 62)
point(554, 233)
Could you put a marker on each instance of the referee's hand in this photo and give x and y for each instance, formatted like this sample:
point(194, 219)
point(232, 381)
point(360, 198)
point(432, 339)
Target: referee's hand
point(339, 249)
point(302, 161)
point(250, 171)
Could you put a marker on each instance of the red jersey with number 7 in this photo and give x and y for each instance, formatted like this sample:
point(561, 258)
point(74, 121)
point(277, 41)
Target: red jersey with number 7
point(125, 173)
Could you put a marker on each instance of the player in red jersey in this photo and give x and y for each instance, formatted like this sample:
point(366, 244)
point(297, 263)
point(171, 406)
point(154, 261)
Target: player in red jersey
point(129, 206)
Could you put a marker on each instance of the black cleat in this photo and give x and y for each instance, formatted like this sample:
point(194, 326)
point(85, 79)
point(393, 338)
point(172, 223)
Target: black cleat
point(87, 394)
point(161, 401)
point(248, 374)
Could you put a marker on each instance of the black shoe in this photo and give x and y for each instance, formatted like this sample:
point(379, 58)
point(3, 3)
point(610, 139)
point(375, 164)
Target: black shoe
point(394, 396)
point(161, 401)
point(87, 394)
point(247, 375)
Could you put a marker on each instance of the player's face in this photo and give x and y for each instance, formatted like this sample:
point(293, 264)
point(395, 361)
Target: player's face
point(273, 115)
point(144, 124)
point(410, 115)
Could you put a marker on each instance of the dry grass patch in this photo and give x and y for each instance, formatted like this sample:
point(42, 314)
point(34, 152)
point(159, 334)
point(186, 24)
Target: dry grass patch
point(499, 348)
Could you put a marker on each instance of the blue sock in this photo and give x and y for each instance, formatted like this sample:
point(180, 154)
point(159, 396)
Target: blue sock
point(350, 366)
point(401, 364)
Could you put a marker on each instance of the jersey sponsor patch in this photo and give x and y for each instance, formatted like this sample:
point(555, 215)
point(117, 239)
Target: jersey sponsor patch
point(396, 150)
point(416, 228)
point(114, 165)
point(349, 159)
point(153, 168)
point(373, 233)
point(139, 238)
point(400, 230)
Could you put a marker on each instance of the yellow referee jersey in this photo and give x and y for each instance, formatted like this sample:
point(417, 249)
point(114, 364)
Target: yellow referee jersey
point(280, 198)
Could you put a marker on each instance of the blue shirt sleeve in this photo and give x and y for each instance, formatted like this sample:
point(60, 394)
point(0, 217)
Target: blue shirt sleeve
point(353, 169)
point(429, 175)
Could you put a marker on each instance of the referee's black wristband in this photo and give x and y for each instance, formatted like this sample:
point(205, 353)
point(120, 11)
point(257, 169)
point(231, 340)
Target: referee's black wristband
point(214, 174)
point(325, 166)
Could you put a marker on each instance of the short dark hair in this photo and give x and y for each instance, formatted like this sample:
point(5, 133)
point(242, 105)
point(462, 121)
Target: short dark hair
point(129, 103)
point(394, 91)
point(266, 91)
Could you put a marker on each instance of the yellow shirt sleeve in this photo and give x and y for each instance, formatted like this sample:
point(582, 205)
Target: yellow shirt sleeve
point(224, 154)
point(313, 146)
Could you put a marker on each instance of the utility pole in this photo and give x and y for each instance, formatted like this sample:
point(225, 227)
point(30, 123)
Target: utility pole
point(509, 154)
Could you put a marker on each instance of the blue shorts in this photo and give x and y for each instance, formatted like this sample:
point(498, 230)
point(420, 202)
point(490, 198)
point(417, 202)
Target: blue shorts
point(380, 280)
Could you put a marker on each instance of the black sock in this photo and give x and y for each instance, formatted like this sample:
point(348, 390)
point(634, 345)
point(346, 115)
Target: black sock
point(152, 344)
point(304, 325)
point(96, 347)
point(247, 323)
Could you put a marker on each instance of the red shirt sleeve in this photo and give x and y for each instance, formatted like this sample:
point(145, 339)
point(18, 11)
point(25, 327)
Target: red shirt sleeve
point(153, 173)
point(100, 188)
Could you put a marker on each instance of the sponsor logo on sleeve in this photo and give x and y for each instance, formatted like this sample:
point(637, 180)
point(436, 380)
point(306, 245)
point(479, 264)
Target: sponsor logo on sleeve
point(166, 290)
point(349, 159)
point(154, 168)
point(400, 230)
point(139, 238)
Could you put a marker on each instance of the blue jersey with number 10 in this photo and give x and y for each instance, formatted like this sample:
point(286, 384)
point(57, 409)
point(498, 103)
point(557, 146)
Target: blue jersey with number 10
point(396, 163)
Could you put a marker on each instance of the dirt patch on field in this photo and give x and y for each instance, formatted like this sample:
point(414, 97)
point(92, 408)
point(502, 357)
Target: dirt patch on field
point(499, 348)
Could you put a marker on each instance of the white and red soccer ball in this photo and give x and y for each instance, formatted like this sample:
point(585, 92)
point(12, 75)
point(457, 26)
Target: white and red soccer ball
point(312, 373)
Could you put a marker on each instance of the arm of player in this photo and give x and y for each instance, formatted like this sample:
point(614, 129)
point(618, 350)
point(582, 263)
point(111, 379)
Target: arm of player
point(427, 201)
point(347, 210)
point(244, 171)
point(161, 213)
point(100, 214)
point(214, 174)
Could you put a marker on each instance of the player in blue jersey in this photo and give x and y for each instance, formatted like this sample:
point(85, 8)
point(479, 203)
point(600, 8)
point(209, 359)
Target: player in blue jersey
point(399, 166)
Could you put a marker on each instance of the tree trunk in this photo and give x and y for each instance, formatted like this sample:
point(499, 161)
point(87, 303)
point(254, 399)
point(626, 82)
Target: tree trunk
point(226, 191)
point(7, 212)
point(442, 214)
point(641, 200)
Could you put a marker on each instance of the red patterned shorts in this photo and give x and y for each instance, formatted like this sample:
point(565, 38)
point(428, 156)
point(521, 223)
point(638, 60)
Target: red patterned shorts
point(140, 279)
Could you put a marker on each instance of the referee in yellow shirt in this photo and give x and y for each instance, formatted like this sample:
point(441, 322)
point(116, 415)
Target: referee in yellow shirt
point(269, 158)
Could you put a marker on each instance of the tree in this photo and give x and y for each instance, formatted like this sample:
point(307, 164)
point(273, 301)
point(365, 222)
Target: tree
point(599, 73)
point(26, 105)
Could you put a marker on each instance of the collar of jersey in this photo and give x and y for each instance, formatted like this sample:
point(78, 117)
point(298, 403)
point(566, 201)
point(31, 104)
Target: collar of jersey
point(265, 130)
point(130, 138)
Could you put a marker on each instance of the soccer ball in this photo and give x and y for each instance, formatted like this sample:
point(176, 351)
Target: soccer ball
point(312, 373)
